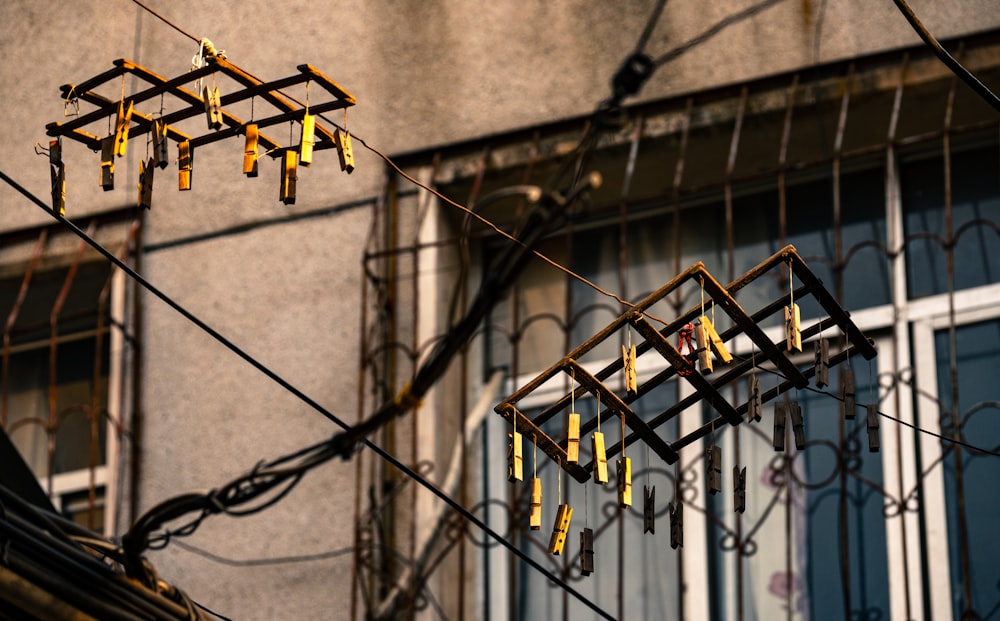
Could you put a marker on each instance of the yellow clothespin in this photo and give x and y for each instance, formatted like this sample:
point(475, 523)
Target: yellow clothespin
point(58, 174)
point(250, 151)
point(560, 528)
point(160, 143)
point(573, 439)
point(108, 163)
point(121, 128)
point(145, 184)
point(704, 350)
point(624, 472)
point(586, 551)
point(288, 177)
point(515, 462)
point(185, 165)
point(535, 516)
point(344, 150)
point(628, 360)
point(213, 107)
point(600, 458)
point(793, 335)
point(308, 139)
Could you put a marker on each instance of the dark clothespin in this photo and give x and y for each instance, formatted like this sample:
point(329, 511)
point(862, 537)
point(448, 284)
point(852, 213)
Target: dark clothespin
point(847, 402)
point(108, 163)
point(754, 404)
point(648, 509)
point(535, 515)
point(308, 139)
point(600, 458)
point(145, 184)
point(713, 459)
point(57, 172)
point(780, 413)
point(250, 150)
point(344, 150)
point(515, 461)
point(624, 477)
point(628, 363)
point(684, 341)
point(288, 177)
point(676, 511)
point(213, 107)
point(560, 528)
point(159, 132)
point(873, 441)
point(798, 429)
point(121, 128)
point(185, 164)
point(822, 363)
point(739, 489)
point(793, 333)
point(573, 439)
point(586, 551)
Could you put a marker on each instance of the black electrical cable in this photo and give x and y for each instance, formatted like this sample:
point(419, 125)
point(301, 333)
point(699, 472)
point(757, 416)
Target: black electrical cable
point(726, 22)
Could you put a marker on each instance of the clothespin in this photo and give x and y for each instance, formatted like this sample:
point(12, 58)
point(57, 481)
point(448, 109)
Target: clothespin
point(515, 460)
point(160, 143)
point(586, 551)
point(213, 107)
point(573, 439)
point(308, 139)
point(847, 401)
point(709, 339)
point(108, 163)
point(145, 184)
point(121, 128)
point(713, 457)
point(873, 441)
point(648, 509)
point(250, 150)
point(288, 177)
point(560, 528)
point(676, 511)
point(628, 360)
point(600, 458)
point(185, 164)
point(624, 476)
point(704, 351)
point(793, 334)
point(798, 429)
point(822, 363)
point(344, 150)
point(739, 489)
point(684, 340)
point(754, 404)
point(57, 172)
point(780, 413)
point(535, 516)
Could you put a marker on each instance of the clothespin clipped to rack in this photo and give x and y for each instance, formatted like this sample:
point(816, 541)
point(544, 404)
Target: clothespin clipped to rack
point(649, 509)
point(709, 342)
point(848, 403)
point(676, 511)
point(600, 456)
point(563, 515)
point(713, 458)
point(573, 430)
point(684, 341)
point(873, 439)
point(185, 165)
point(739, 489)
point(108, 163)
point(628, 362)
point(515, 461)
point(754, 403)
point(793, 334)
point(798, 428)
point(586, 551)
point(288, 177)
point(250, 163)
point(822, 364)
point(780, 415)
point(308, 139)
point(535, 515)
point(159, 132)
point(344, 149)
point(145, 199)
point(121, 128)
point(57, 172)
point(213, 107)
point(624, 478)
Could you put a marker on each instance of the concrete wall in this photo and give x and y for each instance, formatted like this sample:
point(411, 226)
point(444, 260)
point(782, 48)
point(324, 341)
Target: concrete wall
point(424, 73)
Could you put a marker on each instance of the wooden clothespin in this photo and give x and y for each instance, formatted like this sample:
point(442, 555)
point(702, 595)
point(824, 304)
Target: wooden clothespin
point(515, 459)
point(586, 551)
point(648, 509)
point(573, 439)
point(563, 515)
point(308, 139)
point(739, 489)
point(145, 199)
point(754, 404)
point(704, 351)
point(780, 414)
point(713, 457)
point(57, 172)
point(873, 440)
point(185, 165)
point(121, 128)
point(710, 342)
point(213, 107)
point(822, 364)
point(628, 362)
point(624, 478)
point(535, 515)
point(108, 163)
point(250, 163)
point(676, 511)
point(160, 157)
point(847, 399)
point(684, 342)
point(344, 150)
point(793, 333)
point(798, 428)
point(600, 458)
point(288, 177)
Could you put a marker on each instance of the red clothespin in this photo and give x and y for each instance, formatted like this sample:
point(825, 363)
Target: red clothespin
point(684, 341)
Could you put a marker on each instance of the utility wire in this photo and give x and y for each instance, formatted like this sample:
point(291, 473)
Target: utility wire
point(168, 22)
point(726, 22)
